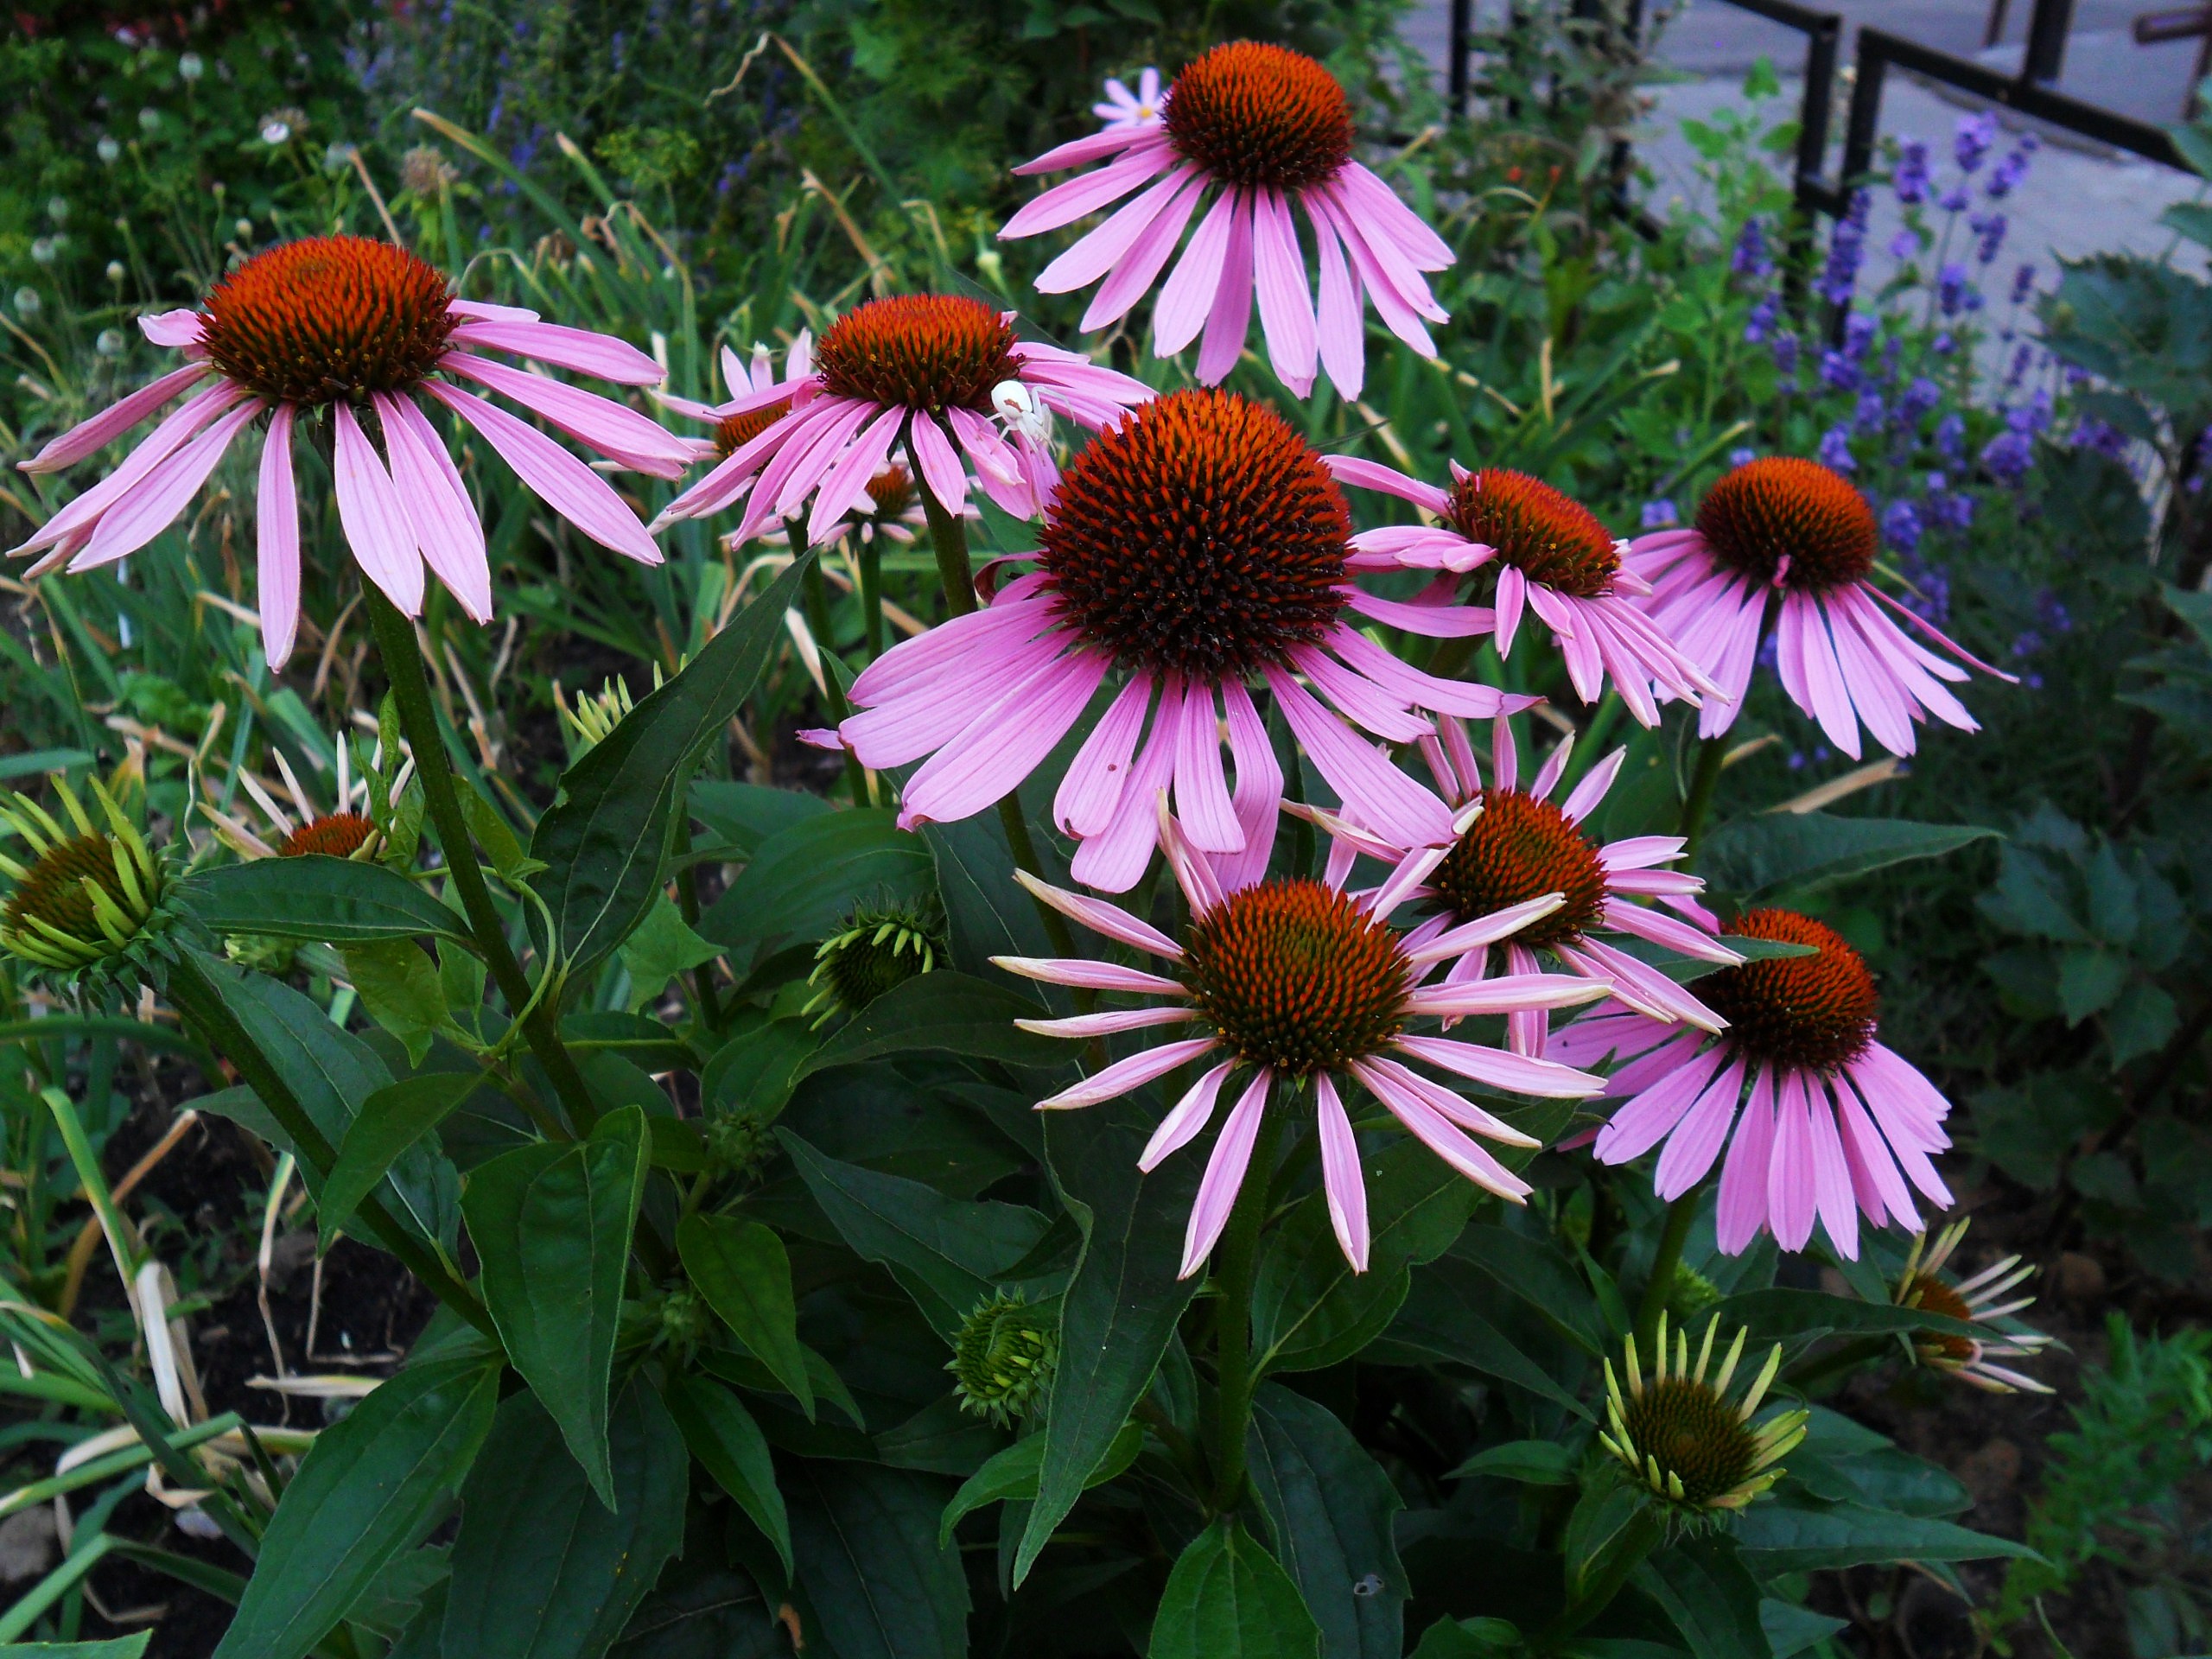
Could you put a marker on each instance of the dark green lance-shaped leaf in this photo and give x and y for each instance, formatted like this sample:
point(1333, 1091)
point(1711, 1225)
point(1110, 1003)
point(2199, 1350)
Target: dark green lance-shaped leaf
point(1329, 1506)
point(945, 1013)
point(1784, 1315)
point(1228, 1598)
point(552, 1226)
point(866, 1540)
point(1533, 1463)
point(1309, 1308)
point(605, 843)
point(746, 814)
point(744, 1272)
point(117, 1647)
point(948, 1253)
point(1780, 1537)
point(1458, 1312)
point(542, 1569)
point(806, 878)
point(1010, 1477)
point(730, 1447)
point(1777, 852)
point(334, 900)
point(1714, 1603)
point(331, 1073)
point(373, 1486)
point(1121, 1307)
point(402, 990)
point(391, 1120)
point(1791, 1629)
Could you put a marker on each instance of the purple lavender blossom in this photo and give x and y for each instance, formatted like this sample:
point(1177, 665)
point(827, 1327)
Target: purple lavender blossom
point(1900, 526)
point(1751, 258)
point(1949, 508)
point(1911, 179)
point(2022, 355)
point(1921, 396)
point(1973, 139)
point(2024, 283)
point(1759, 326)
point(1943, 345)
point(1846, 248)
point(1785, 353)
point(1858, 334)
point(1951, 288)
point(2103, 437)
point(1741, 457)
point(1954, 200)
point(1835, 451)
point(1903, 245)
point(1660, 514)
point(1991, 228)
point(2008, 455)
point(1951, 436)
point(1839, 372)
point(1869, 415)
point(2006, 176)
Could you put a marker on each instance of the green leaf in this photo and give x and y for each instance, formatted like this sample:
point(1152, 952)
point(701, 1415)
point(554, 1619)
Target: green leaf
point(117, 1647)
point(1714, 1602)
point(806, 878)
point(391, 1120)
point(493, 833)
point(2190, 218)
point(1121, 1307)
point(756, 1070)
point(1329, 1508)
point(663, 947)
point(1780, 1315)
point(742, 1269)
point(868, 1558)
point(1778, 1537)
point(1533, 1463)
point(373, 1486)
point(1777, 852)
point(331, 1073)
point(399, 987)
point(730, 1447)
point(1228, 1598)
point(332, 901)
point(1468, 1638)
point(1458, 1313)
point(2190, 606)
point(552, 1225)
point(948, 1254)
point(1791, 1629)
point(746, 814)
point(1012, 1476)
point(945, 1013)
point(1309, 1308)
point(2089, 980)
point(605, 843)
point(542, 1569)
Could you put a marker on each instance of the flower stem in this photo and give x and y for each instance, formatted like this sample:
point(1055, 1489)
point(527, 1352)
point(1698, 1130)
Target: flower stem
point(1239, 1267)
point(1679, 1214)
point(1710, 753)
point(871, 562)
point(418, 720)
point(949, 536)
point(1643, 1534)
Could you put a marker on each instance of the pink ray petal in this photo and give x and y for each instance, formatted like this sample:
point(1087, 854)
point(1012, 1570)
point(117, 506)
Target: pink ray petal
point(89, 436)
point(1343, 338)
point(1101, 249)
point(1792, 1196)
point(939, 464)
point(1132, 279)
point(1385, 798)
point(1189, 297)
point(1358, 698)
point(844, 485)
point(439, 515)
point(1089, 975)
point(1201, 783)
point(178, 427)
point(1340, 1174)
point(154, 506)
point(1741, 1212)
point(1652, 1114)
point(614, 429)
point(1224, 1176)
point(1077, 198)
point(1831, 1187)
point(580, 349)
point(181, 328)
point(1286, 302)
point(555, 476)
point(1516, 1073)
point(1101, 917)
point(1190, 1115)
point(1697, 1140)
point(1091, 147)
point(277, 534)
point(1230, 318)
point(1114, 859)
point(1122, 1076)
point(1258, 800)
point(1092, 786)
point(1004, 745)
point(1440, 1136)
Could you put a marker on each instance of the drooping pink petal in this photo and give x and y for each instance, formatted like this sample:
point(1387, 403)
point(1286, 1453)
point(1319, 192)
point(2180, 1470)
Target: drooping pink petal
point(939, 464)
point(88, 436)
point(1286, 302)
point(439, 512)
point(1884, 1191)
point(1356, 184)
point(1092, 786)
point(1114, 859)
point(276, 535)
point(1132, 279)
point(1374, 475)
point(845, 484)
point(1833, 1197)
point(1516, 1073)
point(1089, 975)
point(1188, 298)
point(598, 355)
point(613, 428)
point(1343, 339)
point(955, 646)
point(1455, 1108)
point(1791, 1197)
point(1825, 698)
point(1648, 1119)
point(1741, 1212)
point(1201, 785)
point(1697, 1140)
point(1224, 1176)
point(555, 476)
point(1190, 1115)
point(1004, 744)
point(1077, 198)
point(181, 328)
point(154, 506)
point(375, 521)
point(1355, 696)
point(1202, 889)
point(1340, 1174)
point(1440, 1136)
point(1258, 801)
point(1229, 319)
point(1084, 1026)
point(1373, 790)
point(1506, 994)
point(179, 427)
point(1122, 1076)
point(1101, 249)
point(1091, 147)
point(1100, 917)
point(1400, 680)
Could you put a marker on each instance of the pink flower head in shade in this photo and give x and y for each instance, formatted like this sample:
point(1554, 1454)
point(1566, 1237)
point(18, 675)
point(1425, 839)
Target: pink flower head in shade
point(1198, 547)
point(1260, 127)
point(753, 405)
point(1519, 845)
point(1780, 528)
point(356, 331)
point(1294, 982)
point(1550, 555)
point(1123, 108)
point(939, 375)
point(1829, 1116)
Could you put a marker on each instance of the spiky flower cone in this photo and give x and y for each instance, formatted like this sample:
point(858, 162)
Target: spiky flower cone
point(89, 905)
point(1683, 1439)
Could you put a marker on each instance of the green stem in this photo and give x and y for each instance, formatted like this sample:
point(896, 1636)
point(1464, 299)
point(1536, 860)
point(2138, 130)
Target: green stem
point(1803, 1376)
point(815, 594)
point(1236, 1268)
point(1638, 1540)
point(1710, 753)
point(418, 720)
point(686, 896)
point(949, 537)
point(871, 562)
point(1679, 1214)
point(201, 1005)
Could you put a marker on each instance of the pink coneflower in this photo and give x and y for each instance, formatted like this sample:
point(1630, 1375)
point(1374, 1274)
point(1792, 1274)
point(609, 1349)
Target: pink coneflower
point(1198, 547)
point(357, 329)
point(1293, 982)
point(348, 829)
point(1522, 844)
point(1550, 555)
point(1123, 108)
point(1830, 1116)
point(745, 415)
point(1975, 1300)
point(940, 375)
point(1262, 127)
point(1790, 528)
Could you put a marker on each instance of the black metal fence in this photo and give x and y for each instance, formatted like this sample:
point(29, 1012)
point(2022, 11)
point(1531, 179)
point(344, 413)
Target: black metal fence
point(2031, 91)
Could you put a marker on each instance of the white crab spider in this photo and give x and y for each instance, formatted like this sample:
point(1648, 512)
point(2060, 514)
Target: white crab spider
point(1021, 411)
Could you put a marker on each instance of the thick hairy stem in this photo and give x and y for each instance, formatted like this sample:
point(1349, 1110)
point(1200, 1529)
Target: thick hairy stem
point(1710, 752)
point(871, 562)
point(200, 1002)
point(1679, 1214)
point(410, 689)
point(1238, 1266)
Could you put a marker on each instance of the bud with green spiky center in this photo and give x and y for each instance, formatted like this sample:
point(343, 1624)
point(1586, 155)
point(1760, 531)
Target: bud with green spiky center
point(596, 713)
point(91, 900)
point(1003, 1359)
point(1692, 1448)
point(881, 947)
point(1690, 1293)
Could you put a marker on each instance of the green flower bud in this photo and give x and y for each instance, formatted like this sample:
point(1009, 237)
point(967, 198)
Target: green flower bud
point(1003, 1359)
point(91, 900)
point(880, 947)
